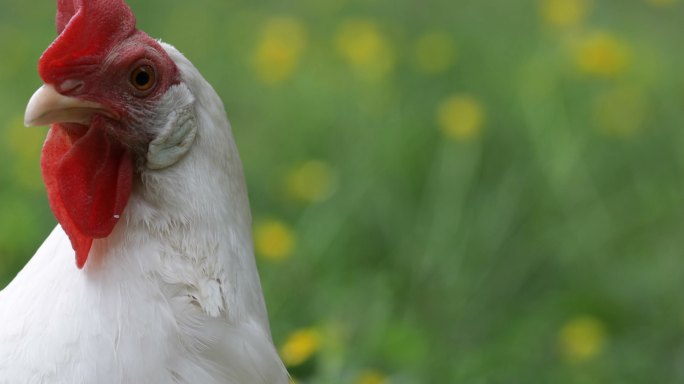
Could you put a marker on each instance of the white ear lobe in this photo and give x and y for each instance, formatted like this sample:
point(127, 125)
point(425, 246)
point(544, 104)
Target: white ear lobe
point(175, 139)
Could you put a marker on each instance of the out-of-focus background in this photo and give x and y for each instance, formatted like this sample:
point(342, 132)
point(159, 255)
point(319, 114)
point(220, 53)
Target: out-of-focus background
point(444, 191)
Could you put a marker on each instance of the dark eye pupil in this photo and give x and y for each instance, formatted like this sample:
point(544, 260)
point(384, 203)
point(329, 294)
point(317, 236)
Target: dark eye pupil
point(142, 78)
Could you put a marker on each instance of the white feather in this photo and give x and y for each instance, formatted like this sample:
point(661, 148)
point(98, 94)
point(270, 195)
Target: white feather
point(171, 296)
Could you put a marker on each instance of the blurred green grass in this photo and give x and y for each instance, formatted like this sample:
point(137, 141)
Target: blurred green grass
point(444, 191)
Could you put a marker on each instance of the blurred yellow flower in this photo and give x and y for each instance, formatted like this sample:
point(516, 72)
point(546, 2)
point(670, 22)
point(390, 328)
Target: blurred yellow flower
point(310, 182)
point(582, 338)
point(564, 13)
point(274, 239)
point(372, 377)
point(434, 52)
point(621, 111)
point(360, 42)
point(461, 117)
point(300, 346)
point(278, 52)
point(25, 144)
point(601, 54)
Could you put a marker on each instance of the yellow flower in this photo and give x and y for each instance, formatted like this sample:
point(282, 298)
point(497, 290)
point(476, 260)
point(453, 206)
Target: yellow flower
point(621, 111)
point(279, 50)
point(372, 377)
point(461, 117)
point(581, 339)
point(365, 48)
point(300, 346)
point(25, 144)
point(274, 239)
point(434, 52)
point(564, 13)
point(603, 55)
point(310, 182)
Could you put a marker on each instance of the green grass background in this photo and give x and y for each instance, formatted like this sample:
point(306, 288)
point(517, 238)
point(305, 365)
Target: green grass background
point(435, 260)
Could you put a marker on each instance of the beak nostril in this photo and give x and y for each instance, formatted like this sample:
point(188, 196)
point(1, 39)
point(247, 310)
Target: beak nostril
point(47, 106)
point(70, 86)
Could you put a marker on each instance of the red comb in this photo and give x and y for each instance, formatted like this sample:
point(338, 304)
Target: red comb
point(65, 11)
point(87, 30)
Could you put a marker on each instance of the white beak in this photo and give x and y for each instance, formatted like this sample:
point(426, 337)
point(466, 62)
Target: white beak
point(47, 106)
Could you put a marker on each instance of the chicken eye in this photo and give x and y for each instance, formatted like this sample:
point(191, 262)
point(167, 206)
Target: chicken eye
point(143, 78)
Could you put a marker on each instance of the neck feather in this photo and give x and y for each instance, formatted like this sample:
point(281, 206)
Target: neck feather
point(196, 213)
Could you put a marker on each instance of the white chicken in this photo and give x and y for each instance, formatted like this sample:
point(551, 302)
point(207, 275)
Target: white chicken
point(144, 177)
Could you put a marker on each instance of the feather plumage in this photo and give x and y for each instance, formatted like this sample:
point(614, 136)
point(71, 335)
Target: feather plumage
point(172, 295)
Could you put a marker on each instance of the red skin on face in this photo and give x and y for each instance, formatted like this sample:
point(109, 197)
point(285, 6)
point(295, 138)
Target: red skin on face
point(89, 182)
point(88, 171)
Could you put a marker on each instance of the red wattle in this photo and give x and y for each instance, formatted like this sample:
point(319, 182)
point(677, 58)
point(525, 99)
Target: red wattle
point(89, 179)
